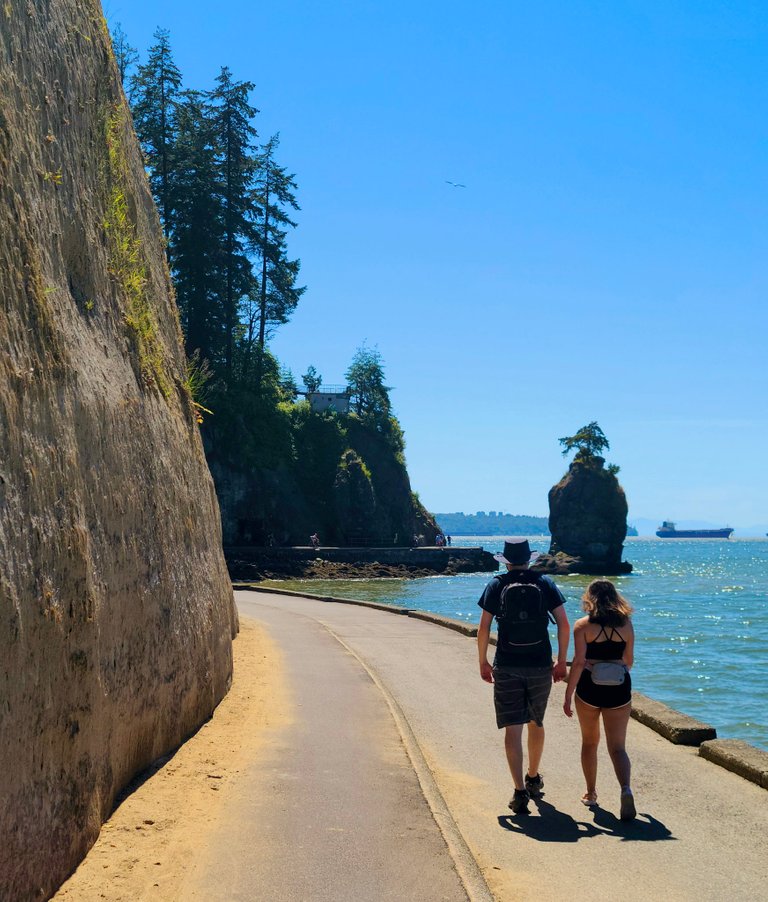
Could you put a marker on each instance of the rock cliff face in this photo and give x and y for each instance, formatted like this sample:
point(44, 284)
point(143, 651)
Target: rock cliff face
point(346, 483)
point(588, 521)
point(114, 598)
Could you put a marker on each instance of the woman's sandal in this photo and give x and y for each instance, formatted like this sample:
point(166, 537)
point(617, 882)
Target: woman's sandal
point(589, 799)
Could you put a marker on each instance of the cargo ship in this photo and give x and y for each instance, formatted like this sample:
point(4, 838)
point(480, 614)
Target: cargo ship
point(667, 530)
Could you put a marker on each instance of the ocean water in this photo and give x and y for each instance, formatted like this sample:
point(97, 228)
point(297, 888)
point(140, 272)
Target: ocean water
point(701, 620)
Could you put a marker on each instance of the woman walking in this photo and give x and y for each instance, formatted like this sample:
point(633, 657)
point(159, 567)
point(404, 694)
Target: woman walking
point(599, 676)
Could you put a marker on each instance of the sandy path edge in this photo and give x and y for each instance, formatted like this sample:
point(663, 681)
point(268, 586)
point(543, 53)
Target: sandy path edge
point(150, 846)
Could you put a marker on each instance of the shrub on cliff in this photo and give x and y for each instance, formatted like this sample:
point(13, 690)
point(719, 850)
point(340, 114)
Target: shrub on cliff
point(356, 506)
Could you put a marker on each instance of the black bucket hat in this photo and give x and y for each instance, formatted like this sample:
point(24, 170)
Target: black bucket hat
point(516, 552)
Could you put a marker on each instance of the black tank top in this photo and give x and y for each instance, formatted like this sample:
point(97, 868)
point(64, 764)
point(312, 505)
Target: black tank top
point(609, 649)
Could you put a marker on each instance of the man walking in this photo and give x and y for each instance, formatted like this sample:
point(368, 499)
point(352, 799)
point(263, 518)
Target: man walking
point(523, 602)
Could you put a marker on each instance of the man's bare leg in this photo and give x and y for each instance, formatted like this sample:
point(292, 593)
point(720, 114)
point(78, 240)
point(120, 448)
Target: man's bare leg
point(535, 748)
point(513, 746)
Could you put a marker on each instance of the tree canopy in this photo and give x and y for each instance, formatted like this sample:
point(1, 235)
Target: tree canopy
point(154, 90)
point(312, 379)
point(365, 378)
point(226, 208)
point(589, 442)
point(125, 55)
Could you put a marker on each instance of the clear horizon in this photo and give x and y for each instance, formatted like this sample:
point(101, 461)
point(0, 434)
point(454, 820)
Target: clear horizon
point(605, 261)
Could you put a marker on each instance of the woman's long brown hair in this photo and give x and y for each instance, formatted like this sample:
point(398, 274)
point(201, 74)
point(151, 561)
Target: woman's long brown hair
point(604, 605)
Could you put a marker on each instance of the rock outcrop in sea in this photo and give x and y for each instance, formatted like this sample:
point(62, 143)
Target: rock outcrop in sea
point(587, 520)
point(116, 607)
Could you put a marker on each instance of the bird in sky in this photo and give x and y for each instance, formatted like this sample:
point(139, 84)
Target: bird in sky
point(455, 184)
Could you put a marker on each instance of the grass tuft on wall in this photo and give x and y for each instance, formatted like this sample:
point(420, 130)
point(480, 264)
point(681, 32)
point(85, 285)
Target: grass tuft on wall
point(126, 260)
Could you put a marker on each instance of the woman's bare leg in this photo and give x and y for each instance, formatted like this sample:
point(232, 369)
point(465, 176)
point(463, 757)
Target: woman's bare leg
point(615, 721)
point(589, 721)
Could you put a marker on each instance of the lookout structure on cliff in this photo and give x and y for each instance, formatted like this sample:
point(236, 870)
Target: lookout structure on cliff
point(329, 397)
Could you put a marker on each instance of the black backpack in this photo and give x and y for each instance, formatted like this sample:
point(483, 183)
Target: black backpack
point(523, 616)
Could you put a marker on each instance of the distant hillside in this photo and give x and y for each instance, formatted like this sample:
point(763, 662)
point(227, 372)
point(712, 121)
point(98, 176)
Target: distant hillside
point(496, 524)
point(492, 524)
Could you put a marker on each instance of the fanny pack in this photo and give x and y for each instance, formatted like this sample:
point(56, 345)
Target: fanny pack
point(608, 673)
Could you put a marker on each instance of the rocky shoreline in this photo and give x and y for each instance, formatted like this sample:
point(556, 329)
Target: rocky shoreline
point(262, 564)
point(562, 564)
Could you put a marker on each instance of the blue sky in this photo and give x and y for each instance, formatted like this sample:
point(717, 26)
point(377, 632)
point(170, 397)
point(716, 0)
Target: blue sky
point(606, 261)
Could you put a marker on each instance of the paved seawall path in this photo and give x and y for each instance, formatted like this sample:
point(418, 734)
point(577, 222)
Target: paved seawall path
point(356, 758)
point(378, 700)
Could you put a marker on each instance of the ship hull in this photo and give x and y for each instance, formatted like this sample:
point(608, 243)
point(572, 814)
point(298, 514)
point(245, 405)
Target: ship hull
point(694, 533)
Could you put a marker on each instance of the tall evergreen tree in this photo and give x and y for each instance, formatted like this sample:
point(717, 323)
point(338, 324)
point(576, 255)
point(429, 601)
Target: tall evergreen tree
point(312, 379)
point(198, 222)
point(232, 115)
point(273, 197)
point(365, 378)
point(125, 55)
point(154, 91)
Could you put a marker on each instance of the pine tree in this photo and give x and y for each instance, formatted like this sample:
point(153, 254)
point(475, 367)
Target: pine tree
point(288, 386)
point(589, 442)
point(312, 379)
point(232, 117)
point(198, 222)
point(155, 90)
point(125, 55)
point(272, 197)
point(365, 378)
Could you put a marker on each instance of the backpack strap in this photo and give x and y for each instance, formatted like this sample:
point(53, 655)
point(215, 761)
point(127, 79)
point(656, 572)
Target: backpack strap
point(538, 579)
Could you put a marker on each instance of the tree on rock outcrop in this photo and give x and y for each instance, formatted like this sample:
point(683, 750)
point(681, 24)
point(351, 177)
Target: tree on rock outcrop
point(369, 395)
point(589, 442)
point(588, 507)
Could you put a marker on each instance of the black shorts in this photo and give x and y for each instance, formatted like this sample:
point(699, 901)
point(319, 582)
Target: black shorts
point(603, 696)
point(520, 694)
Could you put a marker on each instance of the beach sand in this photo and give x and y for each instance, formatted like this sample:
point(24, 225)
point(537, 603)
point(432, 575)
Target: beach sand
point(150, 846)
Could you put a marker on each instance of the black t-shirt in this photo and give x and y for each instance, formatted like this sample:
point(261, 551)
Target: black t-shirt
point(490, 600)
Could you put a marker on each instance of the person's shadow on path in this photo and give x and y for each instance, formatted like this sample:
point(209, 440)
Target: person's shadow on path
point(557, 826)
point(552, 826)
point(644, 828)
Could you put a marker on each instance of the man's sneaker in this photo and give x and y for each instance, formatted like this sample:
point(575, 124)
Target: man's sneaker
point(534, 785)
point(519, 801)
point(628, 812)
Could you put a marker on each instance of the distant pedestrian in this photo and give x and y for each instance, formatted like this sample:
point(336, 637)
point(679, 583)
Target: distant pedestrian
point(448, 540)
point(604, 653)
point(523, 602)
point(315, 540)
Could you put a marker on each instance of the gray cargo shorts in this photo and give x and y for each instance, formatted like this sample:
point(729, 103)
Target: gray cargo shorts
point(520, 694)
